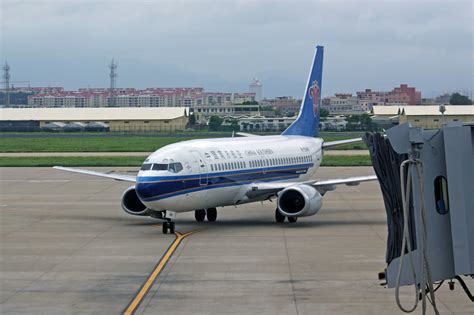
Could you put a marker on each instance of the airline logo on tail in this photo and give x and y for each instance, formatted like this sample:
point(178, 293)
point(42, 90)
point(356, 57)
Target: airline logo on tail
point(307, 122)
point(314, 94)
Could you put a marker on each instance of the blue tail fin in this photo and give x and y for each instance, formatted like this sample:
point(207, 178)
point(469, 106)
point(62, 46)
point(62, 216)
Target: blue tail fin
point(307, 123)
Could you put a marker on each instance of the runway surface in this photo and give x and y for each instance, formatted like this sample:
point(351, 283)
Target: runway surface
point(67, 247)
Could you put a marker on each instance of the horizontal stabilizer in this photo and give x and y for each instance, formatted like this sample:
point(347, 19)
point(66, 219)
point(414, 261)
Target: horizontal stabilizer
point(244, 134)
point(340, 142)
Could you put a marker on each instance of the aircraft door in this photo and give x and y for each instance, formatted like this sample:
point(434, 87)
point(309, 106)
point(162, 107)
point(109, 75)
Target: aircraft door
point(202, 168)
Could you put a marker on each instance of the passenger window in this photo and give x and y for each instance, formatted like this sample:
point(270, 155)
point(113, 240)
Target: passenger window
point(441, 195)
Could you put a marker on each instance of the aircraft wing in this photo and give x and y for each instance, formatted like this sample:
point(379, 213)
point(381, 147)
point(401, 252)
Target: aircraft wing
point(122, 177)
point(245, 134)
point(259, 189)
point(340, 142)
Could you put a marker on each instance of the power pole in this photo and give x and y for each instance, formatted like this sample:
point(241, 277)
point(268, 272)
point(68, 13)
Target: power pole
point(6, 77)
point(113, 77)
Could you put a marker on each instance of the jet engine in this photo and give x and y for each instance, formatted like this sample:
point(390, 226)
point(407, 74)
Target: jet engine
point(132, 204)
point(299, 201)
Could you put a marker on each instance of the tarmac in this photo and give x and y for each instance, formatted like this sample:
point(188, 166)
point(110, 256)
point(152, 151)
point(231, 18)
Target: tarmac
point(67, 247)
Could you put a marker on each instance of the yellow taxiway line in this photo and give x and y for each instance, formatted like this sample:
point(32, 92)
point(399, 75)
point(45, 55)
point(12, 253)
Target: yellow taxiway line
point(132, 307)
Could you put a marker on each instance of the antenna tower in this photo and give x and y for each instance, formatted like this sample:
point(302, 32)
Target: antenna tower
point(113, 77)
point(6, 77)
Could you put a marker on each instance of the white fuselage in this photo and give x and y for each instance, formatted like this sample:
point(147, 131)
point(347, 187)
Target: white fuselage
point(208, 173)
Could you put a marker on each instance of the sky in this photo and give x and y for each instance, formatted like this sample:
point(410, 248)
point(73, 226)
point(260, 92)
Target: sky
point(221, 45)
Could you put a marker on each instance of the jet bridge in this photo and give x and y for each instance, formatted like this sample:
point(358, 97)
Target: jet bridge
point(427, 182)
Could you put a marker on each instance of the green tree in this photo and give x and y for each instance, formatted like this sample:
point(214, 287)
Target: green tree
point(234, 124)
point(215, 123)
point(324, 112)
point(360, 122)
point(250, 103)
point(192, 120)
point(458, 99)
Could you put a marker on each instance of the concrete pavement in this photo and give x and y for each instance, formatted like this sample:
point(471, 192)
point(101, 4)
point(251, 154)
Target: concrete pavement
point(67, 247)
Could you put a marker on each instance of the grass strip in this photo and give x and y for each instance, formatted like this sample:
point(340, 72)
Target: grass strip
point(46, 161)
point(114, 144)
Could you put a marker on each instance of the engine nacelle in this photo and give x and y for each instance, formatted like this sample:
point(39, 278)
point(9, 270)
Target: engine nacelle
point(299, 201)
point(132, 204)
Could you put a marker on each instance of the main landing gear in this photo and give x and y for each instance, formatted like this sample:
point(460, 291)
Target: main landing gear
point(201, 214)
point(280, 218)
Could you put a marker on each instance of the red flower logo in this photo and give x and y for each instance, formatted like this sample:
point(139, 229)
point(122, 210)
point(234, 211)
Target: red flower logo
point(314, 94)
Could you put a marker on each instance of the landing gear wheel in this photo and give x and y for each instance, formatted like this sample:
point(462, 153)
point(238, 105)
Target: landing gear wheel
point(165, 227)
point(171, 227)
point(200, 215)
point(292, 219)
point(279, 217)
point(211, 214)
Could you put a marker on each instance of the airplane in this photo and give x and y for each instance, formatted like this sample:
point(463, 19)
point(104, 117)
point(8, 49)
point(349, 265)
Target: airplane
point(202, 175)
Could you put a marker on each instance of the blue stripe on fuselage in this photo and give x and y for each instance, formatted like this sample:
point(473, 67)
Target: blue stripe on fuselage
point(151, 188)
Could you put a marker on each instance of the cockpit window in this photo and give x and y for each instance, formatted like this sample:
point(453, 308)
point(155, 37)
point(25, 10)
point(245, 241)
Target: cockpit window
point(160, 167)
point(146, 167)
point(175, 167)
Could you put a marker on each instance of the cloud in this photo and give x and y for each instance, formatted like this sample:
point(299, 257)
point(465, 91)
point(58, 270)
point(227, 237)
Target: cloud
point(223, 44)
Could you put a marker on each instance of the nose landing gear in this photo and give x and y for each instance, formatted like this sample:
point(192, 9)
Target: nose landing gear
point(168, 225)
point(167, 217)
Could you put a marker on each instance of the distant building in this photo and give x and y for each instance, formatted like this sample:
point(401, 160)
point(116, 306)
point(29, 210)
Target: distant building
point(202, 113)
point(239, 98)
point(130, 97)
point(19, 95)
point(336, 123)
point(428, 117)
point(344, 104)
point(260, 123)
point(443, 98)
point(283, 105)
point(256, 88)
point(161, 119)
point(399, 95)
